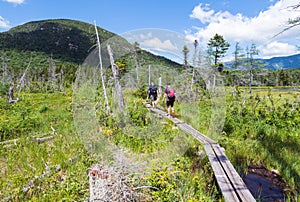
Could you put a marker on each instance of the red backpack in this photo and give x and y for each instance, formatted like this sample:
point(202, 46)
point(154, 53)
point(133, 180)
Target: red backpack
point(171, 93)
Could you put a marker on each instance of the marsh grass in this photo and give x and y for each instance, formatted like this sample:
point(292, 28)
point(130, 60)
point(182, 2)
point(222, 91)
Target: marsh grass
point(49, 171)
point(264, 130)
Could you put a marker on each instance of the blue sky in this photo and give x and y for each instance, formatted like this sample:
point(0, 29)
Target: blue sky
point(247, 21)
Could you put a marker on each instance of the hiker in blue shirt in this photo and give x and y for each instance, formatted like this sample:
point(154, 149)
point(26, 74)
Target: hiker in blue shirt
point(152, 94)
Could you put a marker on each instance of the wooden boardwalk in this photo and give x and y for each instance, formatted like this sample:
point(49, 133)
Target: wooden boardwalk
point(230, 183)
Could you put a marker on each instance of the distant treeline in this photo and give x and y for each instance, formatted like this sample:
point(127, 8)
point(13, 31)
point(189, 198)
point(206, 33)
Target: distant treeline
point(262, 77)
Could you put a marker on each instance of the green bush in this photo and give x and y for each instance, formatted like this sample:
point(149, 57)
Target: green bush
point(4, 87)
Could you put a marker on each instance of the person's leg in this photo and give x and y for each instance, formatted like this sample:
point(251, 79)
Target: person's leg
point(168, 108)
point(172, 107)
point(154, 100)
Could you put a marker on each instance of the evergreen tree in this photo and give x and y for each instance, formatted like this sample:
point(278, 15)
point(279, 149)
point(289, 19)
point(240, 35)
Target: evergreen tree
point(217, 48)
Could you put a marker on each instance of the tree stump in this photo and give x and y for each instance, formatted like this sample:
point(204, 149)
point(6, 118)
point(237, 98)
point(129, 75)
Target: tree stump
point(108, 185)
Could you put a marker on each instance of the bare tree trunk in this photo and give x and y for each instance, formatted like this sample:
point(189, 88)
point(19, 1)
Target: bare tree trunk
point(160, 87)
point(149, 72)
point(136, 68)
point(250, 84)
point(208, 85)
point(51, 74)
point(193, 75)
point(62, 80)
point(115, 74)
point(234, 86)
point(194, 63)
point(11, 95)
point(214, 80)
point(22, 79)
point(101, 70)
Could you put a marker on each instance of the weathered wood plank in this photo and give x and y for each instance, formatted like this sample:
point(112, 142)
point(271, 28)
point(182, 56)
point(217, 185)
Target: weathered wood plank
point(196, 134)
point(221, 177)
point(235, 179)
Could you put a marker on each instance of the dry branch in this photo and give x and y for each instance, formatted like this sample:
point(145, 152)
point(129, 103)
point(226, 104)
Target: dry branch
point(22, 79)
point(40, 138)
point(115, 75)
point(44, 139)
point(101, 70)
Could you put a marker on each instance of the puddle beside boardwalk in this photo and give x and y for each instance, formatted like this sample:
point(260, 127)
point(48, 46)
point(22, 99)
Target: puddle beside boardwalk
point(262, 189)
point(264, 185)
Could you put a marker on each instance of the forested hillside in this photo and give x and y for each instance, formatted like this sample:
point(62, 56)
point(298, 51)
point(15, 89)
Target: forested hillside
point(66, 40)
point(51, 50)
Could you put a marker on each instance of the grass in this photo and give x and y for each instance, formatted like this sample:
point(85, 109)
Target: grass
point(264, 130)
point(42, 172)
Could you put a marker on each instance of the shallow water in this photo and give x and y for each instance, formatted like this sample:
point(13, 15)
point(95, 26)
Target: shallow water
point(263, 189)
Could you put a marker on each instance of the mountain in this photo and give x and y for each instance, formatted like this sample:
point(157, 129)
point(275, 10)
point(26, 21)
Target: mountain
point(286, 62)
point(61, 39)
point(276, 63)
point(66, 40)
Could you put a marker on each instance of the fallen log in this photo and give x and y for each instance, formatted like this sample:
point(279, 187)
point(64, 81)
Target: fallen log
point(44, 139)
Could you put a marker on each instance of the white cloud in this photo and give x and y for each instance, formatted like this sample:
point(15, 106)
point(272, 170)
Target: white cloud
point(15, 1)
point(204, 14)
point(3, 23)
point(278, 49)
point(259, 30)
point(158, 44)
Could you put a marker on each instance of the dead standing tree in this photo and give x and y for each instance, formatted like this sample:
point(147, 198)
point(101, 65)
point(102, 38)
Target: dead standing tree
point(194, 62)
point(53, 77)
point(21, 84)
point(115, 75)
point(136, 50)
point(101, 70)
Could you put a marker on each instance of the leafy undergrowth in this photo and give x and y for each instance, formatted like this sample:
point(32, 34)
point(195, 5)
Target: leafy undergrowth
point(189, 178)
point(51, 171)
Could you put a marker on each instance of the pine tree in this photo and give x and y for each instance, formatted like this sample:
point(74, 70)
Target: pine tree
point(217, 48)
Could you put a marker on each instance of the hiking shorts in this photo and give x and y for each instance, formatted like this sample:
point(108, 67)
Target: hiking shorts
point(170, 102)
point(153, 97)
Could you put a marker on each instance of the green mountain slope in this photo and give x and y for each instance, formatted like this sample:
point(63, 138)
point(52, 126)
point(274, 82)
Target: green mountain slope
point(61, 39)
point(67, 40)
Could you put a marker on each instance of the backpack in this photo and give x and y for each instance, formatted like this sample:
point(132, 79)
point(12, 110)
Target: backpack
point(171, 93)
point(153, 90)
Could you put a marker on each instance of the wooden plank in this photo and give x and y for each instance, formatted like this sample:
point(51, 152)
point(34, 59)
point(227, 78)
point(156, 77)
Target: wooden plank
point(198, 135)
point(221, 177)
point(235, 179)
point(188, 131)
